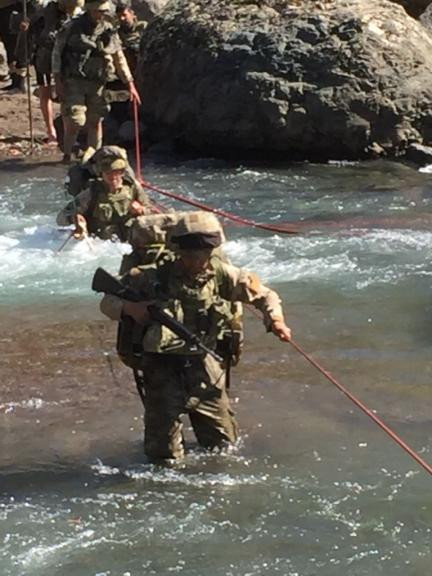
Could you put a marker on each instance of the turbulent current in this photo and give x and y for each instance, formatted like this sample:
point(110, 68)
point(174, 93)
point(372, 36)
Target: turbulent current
point(313, 487)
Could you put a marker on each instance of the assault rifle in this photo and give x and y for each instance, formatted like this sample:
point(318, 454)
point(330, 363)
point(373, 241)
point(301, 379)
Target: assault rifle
point(103, 281)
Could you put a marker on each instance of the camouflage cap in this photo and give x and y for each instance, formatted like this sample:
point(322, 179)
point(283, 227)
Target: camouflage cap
point(110, 164)
point(198, 230)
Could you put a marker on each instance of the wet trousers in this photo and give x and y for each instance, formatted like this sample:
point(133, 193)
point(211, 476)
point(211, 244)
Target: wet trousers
point(172, 385)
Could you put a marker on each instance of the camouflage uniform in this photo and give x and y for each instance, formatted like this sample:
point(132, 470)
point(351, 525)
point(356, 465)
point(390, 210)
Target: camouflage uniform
point(17, 43)
point(80, 176)
point(107, 213)
point(149, 242)
point(130, 37)
point(176, 379)
point(45, 29)
point(82, 56)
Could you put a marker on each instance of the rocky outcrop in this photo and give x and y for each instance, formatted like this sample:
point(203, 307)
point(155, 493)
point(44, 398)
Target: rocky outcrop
point(302, 79)
point(148, 9)
point(414, 7)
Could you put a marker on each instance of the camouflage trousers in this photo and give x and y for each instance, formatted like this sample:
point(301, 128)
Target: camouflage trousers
point(171, 386)
point(84, 100)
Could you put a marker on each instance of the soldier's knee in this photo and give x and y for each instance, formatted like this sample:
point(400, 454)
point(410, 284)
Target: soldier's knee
point(76, 114)
point(96, 114)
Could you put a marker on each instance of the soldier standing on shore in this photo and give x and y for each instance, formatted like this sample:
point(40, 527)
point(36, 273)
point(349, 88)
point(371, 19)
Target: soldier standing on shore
point(82, 56)
point(45, 29)
point(130, 31)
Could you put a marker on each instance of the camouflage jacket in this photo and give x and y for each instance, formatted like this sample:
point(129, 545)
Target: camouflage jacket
point(130, 39)
point(203, 304)
point(107, 213)
point(85, 50)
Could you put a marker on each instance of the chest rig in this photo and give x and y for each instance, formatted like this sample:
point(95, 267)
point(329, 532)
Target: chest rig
point(108, 212)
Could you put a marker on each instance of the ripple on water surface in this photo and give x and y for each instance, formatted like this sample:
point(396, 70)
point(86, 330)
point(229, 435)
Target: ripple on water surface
point(232, 514)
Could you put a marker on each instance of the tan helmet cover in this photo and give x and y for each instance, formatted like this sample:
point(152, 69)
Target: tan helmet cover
point(158, 228)
point(197, 223)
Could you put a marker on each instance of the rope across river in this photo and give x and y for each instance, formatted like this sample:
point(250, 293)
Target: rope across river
point(281, 230)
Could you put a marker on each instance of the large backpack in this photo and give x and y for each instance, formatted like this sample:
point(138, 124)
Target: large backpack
point(80, 175)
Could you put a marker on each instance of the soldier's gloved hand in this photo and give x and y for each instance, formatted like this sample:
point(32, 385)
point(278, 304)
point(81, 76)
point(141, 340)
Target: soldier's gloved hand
point(136, 310)
point(281, 330)
point(80, 231)
point(137, 209)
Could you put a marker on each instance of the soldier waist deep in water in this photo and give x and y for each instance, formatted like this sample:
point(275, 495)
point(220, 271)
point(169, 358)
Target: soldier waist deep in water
point(175, 380)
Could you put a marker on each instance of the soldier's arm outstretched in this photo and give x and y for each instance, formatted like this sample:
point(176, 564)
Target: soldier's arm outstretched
point(244, 286)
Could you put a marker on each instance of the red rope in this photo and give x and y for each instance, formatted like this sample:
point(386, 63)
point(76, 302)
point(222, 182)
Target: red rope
point(280, 229)
point(195, 203)
point(137, 141)
point(365, 409)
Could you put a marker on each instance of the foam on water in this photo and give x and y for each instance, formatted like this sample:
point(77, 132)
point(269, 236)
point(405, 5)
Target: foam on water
point(31, 265)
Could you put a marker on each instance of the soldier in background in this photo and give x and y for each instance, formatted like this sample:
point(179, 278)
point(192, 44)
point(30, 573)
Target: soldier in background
point(130, 31)
point(197, 290)
point(109, 206)
point(82, 56)
point(44, 29)
point(14, 33)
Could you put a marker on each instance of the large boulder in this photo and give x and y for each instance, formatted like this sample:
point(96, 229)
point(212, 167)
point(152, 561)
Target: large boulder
point(303, 79)
point(414, 7)
point(148, 9)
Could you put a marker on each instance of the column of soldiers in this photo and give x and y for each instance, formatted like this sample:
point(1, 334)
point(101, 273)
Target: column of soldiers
point(178, 265)
point(76, 46)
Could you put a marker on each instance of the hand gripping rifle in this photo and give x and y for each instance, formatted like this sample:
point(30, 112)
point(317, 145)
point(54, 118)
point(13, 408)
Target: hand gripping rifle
point(103, 281)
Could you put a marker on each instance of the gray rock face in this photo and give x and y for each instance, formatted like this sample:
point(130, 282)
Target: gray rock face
point(148, 9)
point(305, 79)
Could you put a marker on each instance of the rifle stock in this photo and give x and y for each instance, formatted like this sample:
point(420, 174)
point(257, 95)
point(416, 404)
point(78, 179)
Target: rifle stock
point(104, 282)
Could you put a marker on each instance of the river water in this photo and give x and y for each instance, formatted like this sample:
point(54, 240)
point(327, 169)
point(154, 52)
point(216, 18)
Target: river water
point(314, 486)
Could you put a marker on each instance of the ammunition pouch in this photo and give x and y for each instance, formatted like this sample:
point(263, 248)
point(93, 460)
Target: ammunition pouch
point(230, 346)
point(129, 342)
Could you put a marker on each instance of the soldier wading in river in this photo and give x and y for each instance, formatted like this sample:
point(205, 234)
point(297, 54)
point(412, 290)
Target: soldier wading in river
point(198, 291)
point(110, 204)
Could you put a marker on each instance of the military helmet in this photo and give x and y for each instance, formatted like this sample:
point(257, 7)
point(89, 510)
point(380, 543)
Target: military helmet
point(197, 230)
